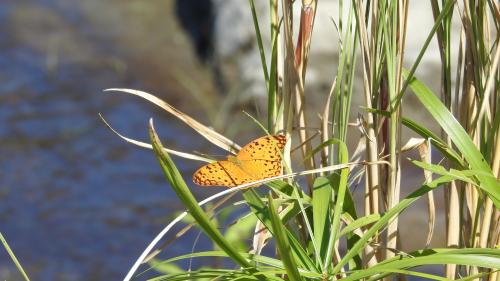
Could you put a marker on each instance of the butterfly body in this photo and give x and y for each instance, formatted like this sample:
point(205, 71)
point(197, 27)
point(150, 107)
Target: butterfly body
point(257, 160)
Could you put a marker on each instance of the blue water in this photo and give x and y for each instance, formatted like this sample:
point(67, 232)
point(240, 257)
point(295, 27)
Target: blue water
point(77, 203)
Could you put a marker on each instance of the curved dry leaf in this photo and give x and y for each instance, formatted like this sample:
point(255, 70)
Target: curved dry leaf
point(149, 146)
point(207, 132)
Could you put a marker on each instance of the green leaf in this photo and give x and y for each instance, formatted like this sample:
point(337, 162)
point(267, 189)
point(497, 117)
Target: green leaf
point(262, 212)
point(478, 276)
point(385, 219)
point(435, 140)
point(349, 213)
point(447, 8)
point(322, 197)
point(359, 223)
point(257, 258)
point(440, 170)
point(459, 137)
point(259, 42)
point(489, 258)
point(387, 272)
point(13, 257)
point(282, 242)
point(272, 265)
point(272, 89)
point(165, 268)
point(181, 189)
point(339, 202)
point(238, 233)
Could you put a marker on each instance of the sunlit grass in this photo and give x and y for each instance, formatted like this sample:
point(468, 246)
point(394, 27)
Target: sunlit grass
point(318, 230)
point(13, 258)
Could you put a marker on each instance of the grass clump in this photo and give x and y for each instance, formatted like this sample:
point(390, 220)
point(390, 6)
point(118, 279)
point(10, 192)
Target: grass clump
point(318, 230)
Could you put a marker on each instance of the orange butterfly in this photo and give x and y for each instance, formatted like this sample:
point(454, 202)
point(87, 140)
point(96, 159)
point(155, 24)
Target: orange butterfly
point(257, 160)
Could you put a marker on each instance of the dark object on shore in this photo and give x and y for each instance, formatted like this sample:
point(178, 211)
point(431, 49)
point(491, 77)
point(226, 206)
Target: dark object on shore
point(197, 19)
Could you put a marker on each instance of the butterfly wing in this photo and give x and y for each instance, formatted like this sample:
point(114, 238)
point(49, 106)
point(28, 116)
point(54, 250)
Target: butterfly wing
point(221, 173)
point(257, 160)
point(261, 169)
point(264, 148)
point(261, 158)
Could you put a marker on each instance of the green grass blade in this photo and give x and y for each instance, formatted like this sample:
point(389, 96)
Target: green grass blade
point(349, 214)
point(322, 197)
point(282, 242)
point(359, 223)
point(181, 189)
point(269, 263)
point(477, 276)
point(259, 42)
point(272, 89)
point(13, 257)
point(436, 141)
point(349, 207)
point(298, 195)
point(339, 203)
point(488, 258)
point(163, 267)
point(221, 254)
point(463, 175)
point(459, 137)
point(386, 218)
point(448, 7)
point(206, 274)
point(424, 276)
point(262, 212)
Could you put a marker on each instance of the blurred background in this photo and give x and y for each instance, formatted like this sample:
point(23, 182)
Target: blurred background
point(78, 203)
